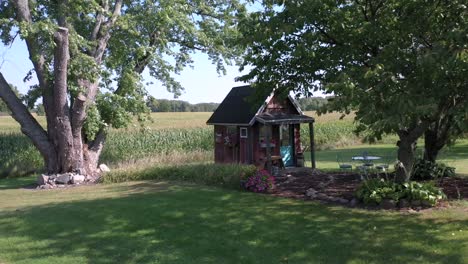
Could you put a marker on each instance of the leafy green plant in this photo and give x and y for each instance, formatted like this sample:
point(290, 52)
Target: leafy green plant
point(374, 191)
point(427, 170)
point(414, 191)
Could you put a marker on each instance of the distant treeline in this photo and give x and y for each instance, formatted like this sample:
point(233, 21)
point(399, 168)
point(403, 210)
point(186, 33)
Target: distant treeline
point(165, 105)
point(312, 103)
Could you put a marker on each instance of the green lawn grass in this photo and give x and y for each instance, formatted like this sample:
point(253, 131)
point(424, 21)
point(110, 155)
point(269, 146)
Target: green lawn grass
point(455, 156)
point(151, 222)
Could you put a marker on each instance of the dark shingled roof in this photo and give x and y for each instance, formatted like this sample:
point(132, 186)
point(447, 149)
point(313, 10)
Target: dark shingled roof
point(235, 109)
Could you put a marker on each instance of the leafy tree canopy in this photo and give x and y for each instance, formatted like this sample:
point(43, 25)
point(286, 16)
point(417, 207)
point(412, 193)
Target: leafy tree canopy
point(88, 56)
point(398, 63)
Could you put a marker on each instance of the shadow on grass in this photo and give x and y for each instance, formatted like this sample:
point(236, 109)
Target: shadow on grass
point(193, 224)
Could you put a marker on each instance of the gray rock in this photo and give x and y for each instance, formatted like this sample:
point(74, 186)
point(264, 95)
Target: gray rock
point(104, 168)
point(388, 204)
point(353, 202)
point(322, 185)
point(425, 203)
point(403, 203)
point(333, 199)
point(46, 186)
point(415, 203)
point(311, 192)
point(322, 196)
point(343, 201)
point(61, 185)
point(76, 179)
point(42, 179)
point(63, 178)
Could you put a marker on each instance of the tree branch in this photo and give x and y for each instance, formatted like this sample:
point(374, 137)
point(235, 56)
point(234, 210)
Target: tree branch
point(104, 32)
point(99, 20)
point(29, 125)
point(325, 34)
point(39, 62)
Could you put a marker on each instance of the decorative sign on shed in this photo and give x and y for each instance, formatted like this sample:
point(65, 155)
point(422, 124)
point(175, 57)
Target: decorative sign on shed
point(259, 133)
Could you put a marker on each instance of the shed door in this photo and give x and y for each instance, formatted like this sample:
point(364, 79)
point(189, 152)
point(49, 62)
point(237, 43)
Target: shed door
point(287, 144)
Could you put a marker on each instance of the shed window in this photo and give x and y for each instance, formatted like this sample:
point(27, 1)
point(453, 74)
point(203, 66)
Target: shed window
point(243, 132)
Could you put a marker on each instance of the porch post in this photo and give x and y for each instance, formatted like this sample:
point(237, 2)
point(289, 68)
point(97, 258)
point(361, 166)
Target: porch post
point(312, 144)
point(268, 149)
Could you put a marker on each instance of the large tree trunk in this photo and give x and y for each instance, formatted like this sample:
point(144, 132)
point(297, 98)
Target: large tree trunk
point(437, 136)
point(62, 111)
point(432, 145)
point(63, 145)
point(406, 150)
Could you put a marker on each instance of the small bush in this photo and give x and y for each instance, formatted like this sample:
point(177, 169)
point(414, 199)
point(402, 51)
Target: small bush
point(427, 170)
point(228, 175)
point(261, 181)
point(374, 191)
point(415, 191)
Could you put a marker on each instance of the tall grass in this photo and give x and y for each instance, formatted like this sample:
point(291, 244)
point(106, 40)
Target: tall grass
point(18, 156)
point(224, 175)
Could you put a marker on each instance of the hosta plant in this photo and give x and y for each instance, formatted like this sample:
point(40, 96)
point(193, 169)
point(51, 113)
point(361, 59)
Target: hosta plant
point(374, 191)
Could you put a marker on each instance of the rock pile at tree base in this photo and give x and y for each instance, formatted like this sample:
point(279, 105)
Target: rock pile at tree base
point(61, 180)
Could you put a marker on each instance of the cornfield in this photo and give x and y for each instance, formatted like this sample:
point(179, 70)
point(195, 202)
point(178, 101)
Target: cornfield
point(132, 145)
point(189, 135)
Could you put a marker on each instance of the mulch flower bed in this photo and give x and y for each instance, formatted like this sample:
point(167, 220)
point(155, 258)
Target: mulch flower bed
point(339, 187)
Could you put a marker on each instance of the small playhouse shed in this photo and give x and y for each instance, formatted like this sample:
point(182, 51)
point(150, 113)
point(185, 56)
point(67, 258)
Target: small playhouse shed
point(262, 133)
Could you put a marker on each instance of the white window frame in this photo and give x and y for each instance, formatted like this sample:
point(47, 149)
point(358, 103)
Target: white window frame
point(244, 132)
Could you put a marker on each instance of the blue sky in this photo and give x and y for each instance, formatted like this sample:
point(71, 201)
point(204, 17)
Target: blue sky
point(202, 83)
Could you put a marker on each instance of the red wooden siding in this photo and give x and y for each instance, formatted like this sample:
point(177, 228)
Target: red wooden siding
point(277, 105)
point(248, 150)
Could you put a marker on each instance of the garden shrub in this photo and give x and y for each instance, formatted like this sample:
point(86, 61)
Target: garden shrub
point(374, 191)
point(261, 181)
point(427, 170)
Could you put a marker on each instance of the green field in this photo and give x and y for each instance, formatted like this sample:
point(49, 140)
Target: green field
point(185, 138)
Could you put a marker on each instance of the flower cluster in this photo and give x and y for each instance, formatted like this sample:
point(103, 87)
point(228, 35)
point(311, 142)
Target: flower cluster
point(260, 182)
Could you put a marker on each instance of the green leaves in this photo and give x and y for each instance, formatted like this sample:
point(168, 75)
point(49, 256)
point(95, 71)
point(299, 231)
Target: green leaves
point(394, 61)
point(93, 123)
point(113, 46)
point(374, 191)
